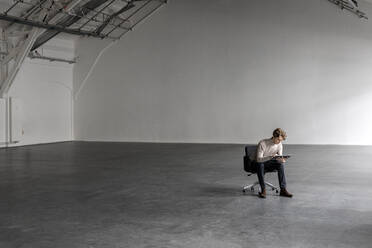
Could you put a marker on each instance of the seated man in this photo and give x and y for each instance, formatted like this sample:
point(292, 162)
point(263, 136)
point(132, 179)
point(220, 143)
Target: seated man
point(263, 158)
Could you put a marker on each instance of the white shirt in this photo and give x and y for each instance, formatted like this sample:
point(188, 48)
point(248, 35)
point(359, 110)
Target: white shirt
point(266, 149)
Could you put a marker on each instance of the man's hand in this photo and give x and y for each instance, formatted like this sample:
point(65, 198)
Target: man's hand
point(281, 160)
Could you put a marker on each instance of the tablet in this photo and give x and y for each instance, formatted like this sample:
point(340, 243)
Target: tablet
point(281, 156)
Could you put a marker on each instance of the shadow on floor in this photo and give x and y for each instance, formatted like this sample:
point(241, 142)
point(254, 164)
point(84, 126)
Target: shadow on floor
point(218, 191)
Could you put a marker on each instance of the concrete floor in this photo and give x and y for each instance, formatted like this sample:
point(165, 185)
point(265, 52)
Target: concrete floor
point(108, 195)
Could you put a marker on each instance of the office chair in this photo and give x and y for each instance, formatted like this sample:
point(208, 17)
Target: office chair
point(251, 169)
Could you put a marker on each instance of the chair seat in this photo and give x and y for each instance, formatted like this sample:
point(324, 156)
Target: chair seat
point(250, 166)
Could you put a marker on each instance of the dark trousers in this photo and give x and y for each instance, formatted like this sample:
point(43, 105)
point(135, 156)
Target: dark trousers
point(269, 166)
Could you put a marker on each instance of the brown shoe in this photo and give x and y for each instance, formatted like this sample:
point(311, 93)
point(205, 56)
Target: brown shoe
point(285, 193)
point(262, 194)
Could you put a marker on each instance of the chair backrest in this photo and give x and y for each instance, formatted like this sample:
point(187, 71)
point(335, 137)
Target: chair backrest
point(246, 149)
point(247, 161)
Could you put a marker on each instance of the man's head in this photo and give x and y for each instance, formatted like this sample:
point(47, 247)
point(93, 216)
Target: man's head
point(279, 135)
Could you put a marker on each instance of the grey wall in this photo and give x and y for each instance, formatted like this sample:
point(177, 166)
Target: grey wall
point(231, 71)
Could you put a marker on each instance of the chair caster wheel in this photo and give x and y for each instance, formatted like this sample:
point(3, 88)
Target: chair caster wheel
point(252, 189)
point(277, 191)
point(243, 190)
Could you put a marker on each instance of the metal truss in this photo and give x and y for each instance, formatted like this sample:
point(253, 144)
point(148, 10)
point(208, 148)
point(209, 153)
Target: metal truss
point(56, 28)
point(350, 5)
point(36, 55)
point(11, 64)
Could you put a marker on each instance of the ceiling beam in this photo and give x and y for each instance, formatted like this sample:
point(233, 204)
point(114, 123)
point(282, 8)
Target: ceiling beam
point(68, 21)
point(55, 28)
point(127, 7)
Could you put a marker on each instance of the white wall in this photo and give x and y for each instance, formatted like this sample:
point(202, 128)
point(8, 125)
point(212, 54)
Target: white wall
point(231, 71)
point(45, 91)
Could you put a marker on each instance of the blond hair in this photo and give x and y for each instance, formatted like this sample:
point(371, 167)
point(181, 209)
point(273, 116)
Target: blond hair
point(279, 132)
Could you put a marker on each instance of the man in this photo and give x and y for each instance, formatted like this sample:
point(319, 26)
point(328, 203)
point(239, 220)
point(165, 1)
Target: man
point(263, 158)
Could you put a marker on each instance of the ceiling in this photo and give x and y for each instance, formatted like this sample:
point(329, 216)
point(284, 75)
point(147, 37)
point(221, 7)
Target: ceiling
point(113, 17)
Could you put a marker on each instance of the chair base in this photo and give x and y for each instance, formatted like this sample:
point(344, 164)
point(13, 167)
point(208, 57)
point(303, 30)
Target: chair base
point(252, 186)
